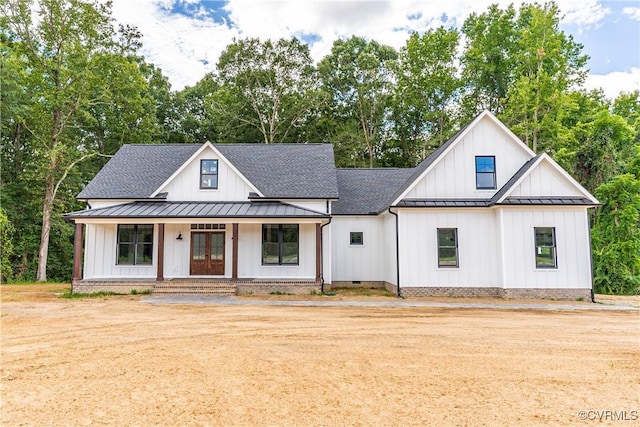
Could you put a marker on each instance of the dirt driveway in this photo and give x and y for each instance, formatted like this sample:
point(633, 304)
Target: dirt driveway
point(118, 361)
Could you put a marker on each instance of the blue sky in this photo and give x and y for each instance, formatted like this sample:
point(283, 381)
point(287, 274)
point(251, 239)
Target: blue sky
point(185, 37)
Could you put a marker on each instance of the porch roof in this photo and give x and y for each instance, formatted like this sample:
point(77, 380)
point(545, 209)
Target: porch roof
point(483, 203)
point(199, 210)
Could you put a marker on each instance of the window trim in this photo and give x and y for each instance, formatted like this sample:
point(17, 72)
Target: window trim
point(135, 244)
point(209, 174)
point(554, 248)
point(493, 173)
point(281, 245)
point(352, 234)
point(455, 230)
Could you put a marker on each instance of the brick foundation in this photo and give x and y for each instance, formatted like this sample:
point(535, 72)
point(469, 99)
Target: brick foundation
point(285, 287)
point(355, 284)
point(494, 292)
point(116, 286)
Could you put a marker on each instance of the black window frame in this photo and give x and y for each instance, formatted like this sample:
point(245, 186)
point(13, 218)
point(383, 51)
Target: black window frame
point(539, 248)
point(135, 245)
point(281, 244)
point(203, 174)
point(441, 264)
point(357, 241)
point(486, 173)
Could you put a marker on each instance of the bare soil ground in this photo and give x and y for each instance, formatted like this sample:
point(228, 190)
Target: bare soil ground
point(119, 361)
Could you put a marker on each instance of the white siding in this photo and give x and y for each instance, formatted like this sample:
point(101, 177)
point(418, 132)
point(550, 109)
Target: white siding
point(389, 254)
point(186, 185)
point(358, 262)
point(250, 255)
point(477, 248)
point(100, 255)
point(102, 203)
point(545, 181)
point(572, 242)
point(454, 175)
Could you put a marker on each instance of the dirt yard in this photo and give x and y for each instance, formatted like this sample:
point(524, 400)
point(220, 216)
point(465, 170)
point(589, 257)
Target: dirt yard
point(119, 361)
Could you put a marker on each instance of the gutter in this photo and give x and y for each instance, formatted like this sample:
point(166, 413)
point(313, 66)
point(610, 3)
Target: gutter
point(322, 256)
point(397, 252)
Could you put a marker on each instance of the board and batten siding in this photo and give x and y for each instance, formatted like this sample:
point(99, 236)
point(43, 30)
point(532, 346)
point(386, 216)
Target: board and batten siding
point(186, 185)
point(100, 255)
point(477, 248)
point(357, 262)
point(454, 175)
point(250, 255)
point(544, 181)
point(572, 245)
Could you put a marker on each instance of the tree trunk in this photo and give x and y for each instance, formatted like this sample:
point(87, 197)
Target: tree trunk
point(47, 208)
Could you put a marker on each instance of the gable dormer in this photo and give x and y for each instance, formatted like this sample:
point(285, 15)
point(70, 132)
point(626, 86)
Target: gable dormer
point(207, 176)
point(473, 164)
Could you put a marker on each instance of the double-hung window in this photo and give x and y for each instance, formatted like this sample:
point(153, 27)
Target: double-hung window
point(280, 244)
point(209, 174)
point(135, 244)
point(485, 172)
point(447, 247)
point(546, 247)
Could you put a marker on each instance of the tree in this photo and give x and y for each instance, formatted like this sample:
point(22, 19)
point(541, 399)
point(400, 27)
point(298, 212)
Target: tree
point(488, 64)
point(268, 91)
point(357, 76)
point(6, 247)
point(80, 84)
point(424, 105)
point(547, 64)
point(616, 236)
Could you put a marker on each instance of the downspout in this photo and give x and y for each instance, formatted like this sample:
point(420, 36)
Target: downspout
point(593, 295)
point(397, 253)
point(322, 256)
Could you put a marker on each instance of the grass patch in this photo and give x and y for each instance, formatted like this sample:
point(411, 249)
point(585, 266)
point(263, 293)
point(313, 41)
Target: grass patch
point(137, 292)
point(279, 293)
point(72, 295)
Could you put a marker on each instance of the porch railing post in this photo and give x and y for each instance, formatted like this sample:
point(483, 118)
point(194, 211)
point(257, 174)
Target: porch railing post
point(234, 261)
point(160, 275)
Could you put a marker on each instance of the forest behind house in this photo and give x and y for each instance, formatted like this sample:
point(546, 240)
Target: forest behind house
point(75, 88)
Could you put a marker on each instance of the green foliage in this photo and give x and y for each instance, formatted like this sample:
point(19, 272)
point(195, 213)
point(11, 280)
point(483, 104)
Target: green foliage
point(357, 78)
point(79, 295)
point(616, 237)
point(6, 247)
point(91, 98)
point(268, 91)
point(424, 106)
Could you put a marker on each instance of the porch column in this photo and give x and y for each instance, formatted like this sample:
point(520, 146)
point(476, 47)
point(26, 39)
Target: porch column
point(318, 251)
point(234, 258)
point(77, 253)
point(160, 275)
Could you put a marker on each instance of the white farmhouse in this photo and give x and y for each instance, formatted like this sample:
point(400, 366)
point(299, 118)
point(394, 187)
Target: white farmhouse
point(483, 215)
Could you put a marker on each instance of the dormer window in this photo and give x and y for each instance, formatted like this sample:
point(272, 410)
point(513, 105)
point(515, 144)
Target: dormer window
point(486, 172)
point(209, 174)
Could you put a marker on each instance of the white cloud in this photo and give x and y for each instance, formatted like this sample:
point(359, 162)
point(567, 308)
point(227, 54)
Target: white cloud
point(186, 48)
point(615, 82)
point(634, 12)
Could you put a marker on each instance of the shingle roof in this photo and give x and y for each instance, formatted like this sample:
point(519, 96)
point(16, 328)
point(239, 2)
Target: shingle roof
point(363, 191)
point(199, 210)
point(296, 171)
point(136, 171)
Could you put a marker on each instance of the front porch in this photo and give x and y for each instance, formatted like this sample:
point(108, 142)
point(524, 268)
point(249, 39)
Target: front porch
point(248, 248)
point(219, 287)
